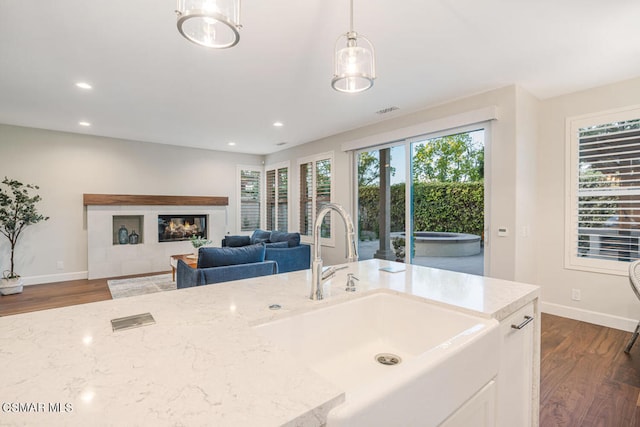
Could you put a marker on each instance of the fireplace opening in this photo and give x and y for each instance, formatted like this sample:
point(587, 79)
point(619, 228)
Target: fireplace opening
point(174, 228)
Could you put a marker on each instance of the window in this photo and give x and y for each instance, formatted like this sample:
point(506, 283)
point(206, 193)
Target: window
point(604, 216)
point(316, 186)
point(250, 199)
point(277, 198)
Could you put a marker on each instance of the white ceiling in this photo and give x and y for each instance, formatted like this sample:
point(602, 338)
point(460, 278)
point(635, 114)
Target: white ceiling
point(151, 84)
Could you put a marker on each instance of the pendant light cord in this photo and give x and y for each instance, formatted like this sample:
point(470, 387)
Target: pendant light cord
point(351, 18)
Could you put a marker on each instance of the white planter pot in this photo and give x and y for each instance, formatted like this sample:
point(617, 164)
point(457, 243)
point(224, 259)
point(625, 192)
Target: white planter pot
point(11, 286)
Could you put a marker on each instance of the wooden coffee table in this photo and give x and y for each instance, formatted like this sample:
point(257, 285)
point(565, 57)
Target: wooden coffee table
point(190, 259)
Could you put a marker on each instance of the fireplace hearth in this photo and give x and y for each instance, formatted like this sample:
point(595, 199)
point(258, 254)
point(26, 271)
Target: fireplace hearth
point(175, 228)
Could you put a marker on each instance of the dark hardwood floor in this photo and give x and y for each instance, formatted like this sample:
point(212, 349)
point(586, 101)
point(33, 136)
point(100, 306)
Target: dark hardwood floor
point(54, 295)
point(586, 378)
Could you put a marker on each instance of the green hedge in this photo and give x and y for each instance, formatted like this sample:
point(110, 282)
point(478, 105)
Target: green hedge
point(456, 207)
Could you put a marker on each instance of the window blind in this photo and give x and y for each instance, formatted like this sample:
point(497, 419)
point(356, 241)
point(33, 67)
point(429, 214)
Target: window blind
point(271, 198)
point(283, 199)
point(277, 199)
point(306, 198)
point(249, 200)
point(315, 193)
point(608, 191)
point(323, 193)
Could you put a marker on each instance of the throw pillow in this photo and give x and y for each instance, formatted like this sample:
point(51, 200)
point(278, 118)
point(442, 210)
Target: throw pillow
point(237, 241)
point(260, 236)
point(277, 245)
point(293, 239)
point(218, 257)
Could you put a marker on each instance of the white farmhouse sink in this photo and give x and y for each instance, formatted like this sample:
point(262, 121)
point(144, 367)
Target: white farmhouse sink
point(444, 356)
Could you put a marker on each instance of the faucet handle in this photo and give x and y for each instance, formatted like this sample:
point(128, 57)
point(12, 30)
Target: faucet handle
point(351, 285)
point(327, 273)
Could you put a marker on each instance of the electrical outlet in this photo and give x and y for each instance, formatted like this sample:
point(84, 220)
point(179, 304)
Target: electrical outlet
point(575, 294)
point(60, 265)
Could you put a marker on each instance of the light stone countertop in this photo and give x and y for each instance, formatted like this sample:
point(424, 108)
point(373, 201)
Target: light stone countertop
point(201, 363)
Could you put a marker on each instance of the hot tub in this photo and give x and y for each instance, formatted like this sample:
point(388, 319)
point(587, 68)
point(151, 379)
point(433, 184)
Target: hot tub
point(432, 243)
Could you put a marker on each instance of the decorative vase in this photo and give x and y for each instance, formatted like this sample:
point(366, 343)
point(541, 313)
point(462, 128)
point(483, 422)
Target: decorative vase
point(133, 238)
point(123, 235)
point(11, 286)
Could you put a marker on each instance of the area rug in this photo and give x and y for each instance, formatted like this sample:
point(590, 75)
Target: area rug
point(121, 288)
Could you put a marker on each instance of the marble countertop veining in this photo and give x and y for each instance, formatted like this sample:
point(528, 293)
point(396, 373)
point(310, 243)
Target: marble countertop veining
point(201, 363)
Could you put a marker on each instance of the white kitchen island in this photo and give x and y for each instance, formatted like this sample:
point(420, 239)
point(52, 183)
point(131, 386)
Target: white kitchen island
point(202, 362)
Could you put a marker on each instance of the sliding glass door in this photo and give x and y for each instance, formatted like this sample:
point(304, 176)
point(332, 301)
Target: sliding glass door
point(447, 201)
point(381, 202)
point(442, 177)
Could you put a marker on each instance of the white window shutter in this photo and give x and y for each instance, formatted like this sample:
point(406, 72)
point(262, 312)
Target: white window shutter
point(605, 193)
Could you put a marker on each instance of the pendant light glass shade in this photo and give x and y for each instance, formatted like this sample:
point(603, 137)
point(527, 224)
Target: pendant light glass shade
point(354, 64)
point(210, 23)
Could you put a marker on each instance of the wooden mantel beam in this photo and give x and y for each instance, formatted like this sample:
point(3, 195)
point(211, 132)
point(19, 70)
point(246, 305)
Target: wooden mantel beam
point(135, 200)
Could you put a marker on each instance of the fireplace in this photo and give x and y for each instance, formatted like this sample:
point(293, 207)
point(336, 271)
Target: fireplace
point(177, 227)
point(152, 215)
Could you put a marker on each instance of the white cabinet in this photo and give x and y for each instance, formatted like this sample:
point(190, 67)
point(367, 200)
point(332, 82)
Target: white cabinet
point(479, 411)
point(516, 398)
point(511, 400)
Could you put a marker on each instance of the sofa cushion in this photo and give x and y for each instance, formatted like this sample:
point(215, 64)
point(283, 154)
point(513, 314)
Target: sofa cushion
point(237, 241)
point(237, 272)
point(187, 276)
point(217, 257)
point(293, 239)
point(277, 245)
point(260, 236)
point(290, 259)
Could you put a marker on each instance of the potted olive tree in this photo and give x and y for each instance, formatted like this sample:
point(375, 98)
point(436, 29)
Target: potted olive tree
point(17, 211)
point(198, 242)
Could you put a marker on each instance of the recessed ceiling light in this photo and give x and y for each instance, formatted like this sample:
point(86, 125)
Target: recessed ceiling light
point(84, 85)
point(83, 123)
point(231, 143)
point(278, 124)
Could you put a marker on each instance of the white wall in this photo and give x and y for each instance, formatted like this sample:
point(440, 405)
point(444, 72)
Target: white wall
point(526, 228)
point(606, 299)
point(502, 172)
point(67, 165)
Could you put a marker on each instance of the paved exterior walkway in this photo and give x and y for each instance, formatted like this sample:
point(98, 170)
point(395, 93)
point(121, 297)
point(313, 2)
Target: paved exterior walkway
point(473, 264)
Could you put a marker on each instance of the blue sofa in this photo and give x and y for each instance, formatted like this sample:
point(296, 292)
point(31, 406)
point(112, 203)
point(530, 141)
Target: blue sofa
point(216, 265)
point(283, 248)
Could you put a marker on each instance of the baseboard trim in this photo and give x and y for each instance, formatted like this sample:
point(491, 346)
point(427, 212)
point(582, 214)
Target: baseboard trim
point(51, 278)
point(589, 316)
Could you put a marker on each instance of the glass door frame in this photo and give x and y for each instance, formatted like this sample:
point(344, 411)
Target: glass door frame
point(354, 164)
point(408, 142)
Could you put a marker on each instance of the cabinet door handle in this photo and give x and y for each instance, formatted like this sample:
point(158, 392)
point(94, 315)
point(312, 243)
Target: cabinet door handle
point(527, 319)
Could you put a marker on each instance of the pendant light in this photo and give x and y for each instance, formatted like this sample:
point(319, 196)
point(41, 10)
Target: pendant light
point(354, 61)
point(210, 23)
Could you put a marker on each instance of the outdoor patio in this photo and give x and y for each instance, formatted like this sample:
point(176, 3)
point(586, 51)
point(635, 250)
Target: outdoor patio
point(473, 264)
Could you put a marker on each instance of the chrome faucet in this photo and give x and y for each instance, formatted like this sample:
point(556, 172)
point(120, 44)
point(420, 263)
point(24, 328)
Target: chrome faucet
point(318, 275)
